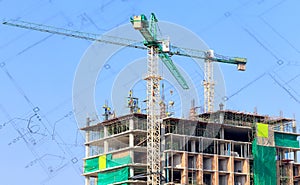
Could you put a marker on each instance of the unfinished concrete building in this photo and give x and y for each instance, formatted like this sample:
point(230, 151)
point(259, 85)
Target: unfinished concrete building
point(219, 148)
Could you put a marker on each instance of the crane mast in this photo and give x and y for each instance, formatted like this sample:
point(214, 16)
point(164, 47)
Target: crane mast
point(153, 78)
point(153, 115)
point(208, 83)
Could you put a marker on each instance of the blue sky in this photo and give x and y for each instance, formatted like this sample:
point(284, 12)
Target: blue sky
point(38, 70)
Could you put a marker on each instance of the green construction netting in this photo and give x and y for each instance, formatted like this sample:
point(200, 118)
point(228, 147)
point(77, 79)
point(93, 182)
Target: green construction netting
point(91, 165)
point(264, 164)
point(117, 162)
point(113, 176)
point(286, 140)
point(103, 162)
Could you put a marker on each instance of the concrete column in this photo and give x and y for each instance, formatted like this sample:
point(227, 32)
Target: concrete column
point(215, 166)
point(105, 131)
point(162, 148)
point(131, 140)
point(165, 172)
point(222, 149)
point(87, 150)
point(131, 171)
point(199, 166)
point(87, 181)
point(184, 164)
point(87, 138)
point(246, 169)
point(222, 133)
point(87, 146)
point(221, 118)
point(131, 124)
point(242, 153)
point(105, 149)
point(294, 126)
point(193, 146)
point(131, 144)
point(105, 146)
point(230, 168)
point(162, 136)
point(245, 150)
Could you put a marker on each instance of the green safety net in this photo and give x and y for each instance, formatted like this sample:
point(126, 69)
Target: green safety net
point(286, 140)
point(104, 161)
point(91, 165)
point(116, 162)
point(113, 176)
point(264, 164)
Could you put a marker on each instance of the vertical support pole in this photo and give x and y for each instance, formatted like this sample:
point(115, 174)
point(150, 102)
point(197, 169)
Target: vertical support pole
point(193, 146)
point(153, 114)
point(131, 140)
point(163, 155)
point(131, 124)
point(184, 165)
point(87, 149)
point(215, 176)
point(208, 83)
point(105, 144)
point(230, 168)
point(87, 138)
point(131, 144)
point(166, 172)
point(87, 180)
point(199, 166)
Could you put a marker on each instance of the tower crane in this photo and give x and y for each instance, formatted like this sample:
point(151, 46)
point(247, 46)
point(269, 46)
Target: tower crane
point(149, 31)
point(156, 49)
